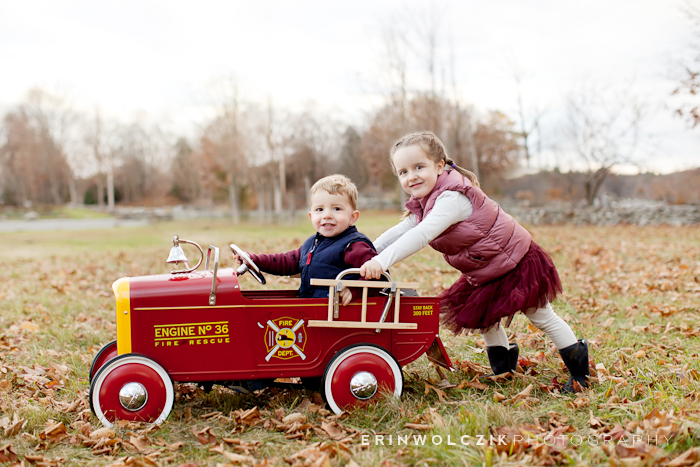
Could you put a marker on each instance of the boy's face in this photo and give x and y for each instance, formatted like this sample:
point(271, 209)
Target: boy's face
point(331, 214)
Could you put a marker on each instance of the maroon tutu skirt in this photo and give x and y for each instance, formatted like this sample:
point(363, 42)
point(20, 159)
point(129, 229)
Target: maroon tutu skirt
point(532, 284)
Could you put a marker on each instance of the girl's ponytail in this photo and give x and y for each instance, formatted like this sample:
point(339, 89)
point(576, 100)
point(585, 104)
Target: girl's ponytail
point(467, 173)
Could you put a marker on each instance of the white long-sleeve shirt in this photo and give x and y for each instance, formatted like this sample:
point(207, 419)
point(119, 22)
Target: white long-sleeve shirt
point(408, 236)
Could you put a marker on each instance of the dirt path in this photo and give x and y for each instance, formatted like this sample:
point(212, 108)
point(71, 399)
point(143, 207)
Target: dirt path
point(68, 224)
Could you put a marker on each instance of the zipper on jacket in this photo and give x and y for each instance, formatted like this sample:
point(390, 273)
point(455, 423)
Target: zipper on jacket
point(311, 251)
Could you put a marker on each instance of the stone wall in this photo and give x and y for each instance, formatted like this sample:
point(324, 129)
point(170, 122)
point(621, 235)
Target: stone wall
point(635, 212)
point(630, 211)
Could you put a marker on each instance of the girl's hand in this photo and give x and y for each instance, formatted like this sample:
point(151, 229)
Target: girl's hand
point(371, 270)
point(345, 296)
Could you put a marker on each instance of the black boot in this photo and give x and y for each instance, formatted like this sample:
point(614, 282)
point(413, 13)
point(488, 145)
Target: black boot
point(503, 360)
point(576, 360)
point(513, 353)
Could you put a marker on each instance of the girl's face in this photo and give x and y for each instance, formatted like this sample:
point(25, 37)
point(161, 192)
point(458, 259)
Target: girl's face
point(417, 173)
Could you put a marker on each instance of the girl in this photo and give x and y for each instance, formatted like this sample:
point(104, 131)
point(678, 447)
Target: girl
point(503, 270)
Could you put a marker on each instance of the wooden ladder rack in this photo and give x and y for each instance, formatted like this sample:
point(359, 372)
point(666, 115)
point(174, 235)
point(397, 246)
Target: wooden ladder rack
point(363, 323)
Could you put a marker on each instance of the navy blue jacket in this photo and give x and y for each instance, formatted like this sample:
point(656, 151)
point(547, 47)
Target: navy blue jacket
point(323, 258)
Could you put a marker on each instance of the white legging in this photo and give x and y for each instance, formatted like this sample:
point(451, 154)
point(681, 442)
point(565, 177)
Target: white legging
point(544, 319)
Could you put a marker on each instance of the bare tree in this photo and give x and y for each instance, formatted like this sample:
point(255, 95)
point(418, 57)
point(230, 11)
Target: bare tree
point(314, 147)
point(141, 155)
point(418, 41)
point(427, 27)
point(21, 182)
point(276, 140)
point(494, 143)
point(462, 128)
point(54, 119)
point(225, 146)
point(350, 164)
point(3, 163)
point(529, 119)
point(103, 153)
point(689, 81)
point(604, 132)
point(35, 162)
point(497, 146)
point(392, 65)
point(185, 173)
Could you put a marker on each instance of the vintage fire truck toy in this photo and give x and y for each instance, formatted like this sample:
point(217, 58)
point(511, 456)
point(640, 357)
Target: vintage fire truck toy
point(200, 326)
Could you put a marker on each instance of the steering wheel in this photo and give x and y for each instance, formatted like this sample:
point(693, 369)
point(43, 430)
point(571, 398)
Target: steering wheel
point(248, 264)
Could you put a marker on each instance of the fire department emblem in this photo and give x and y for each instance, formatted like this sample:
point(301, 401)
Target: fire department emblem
point(285, 338)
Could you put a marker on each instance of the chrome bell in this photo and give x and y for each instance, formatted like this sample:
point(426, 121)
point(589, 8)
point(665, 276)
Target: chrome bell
point(176, 254)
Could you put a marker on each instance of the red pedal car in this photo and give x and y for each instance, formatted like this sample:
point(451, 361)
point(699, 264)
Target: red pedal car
point(189, 326)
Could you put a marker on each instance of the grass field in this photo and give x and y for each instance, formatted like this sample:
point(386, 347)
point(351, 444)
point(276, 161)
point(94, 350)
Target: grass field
point(633, 292)
point(53, 212)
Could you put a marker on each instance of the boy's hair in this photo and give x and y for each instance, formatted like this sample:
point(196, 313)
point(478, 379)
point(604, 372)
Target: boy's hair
point(434, 149)
point(338, 185)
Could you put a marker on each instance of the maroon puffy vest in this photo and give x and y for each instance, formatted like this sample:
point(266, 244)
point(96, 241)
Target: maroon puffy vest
point(487, 244)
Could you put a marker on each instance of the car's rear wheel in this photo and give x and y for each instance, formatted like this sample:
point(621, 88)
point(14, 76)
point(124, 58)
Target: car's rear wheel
point(131, 387)
point(358, 375)
point(106, 353)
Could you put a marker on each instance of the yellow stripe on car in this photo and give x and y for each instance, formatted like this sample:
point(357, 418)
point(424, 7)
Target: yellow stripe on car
point(121, 293)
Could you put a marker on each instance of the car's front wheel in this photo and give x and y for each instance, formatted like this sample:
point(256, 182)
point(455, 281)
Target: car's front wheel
point(131, 387)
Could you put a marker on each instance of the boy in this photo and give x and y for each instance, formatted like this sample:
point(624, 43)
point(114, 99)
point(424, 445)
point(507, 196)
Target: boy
point(336, 246)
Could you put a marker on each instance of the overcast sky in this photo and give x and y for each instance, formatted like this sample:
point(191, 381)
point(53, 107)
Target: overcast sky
point(158, 57)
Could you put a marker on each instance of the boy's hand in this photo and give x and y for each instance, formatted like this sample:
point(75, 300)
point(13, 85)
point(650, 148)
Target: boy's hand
point(371, 270)
point(345, 295)
point(236, 257)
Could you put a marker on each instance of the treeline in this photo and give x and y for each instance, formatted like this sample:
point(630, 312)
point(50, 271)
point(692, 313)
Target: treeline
point(249, 155)
point(546, 187)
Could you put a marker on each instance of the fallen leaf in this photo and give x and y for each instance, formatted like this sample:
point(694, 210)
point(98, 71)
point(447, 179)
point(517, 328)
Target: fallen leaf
point(432, 417)
point(418, 426)
point(579, 403)
point(174, 446)
point(294, 417)
point(55, 431)
point(317, 399)
point(475, 383)
point(7, 454)
point(102, 433)
point(593, 421)
point(313, 455)
point(515, 440)
point(14, 427)
point(204, 436)
point(29, 326)
point(249, 417)
point(524, 394)
point(231, 456)
point(140, 443)
point(689, 457)
point(334, 430)
point(441, 394)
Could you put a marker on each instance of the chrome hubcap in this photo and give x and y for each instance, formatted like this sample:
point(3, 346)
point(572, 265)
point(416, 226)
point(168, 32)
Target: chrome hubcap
point(133, 396)
point(363, 385)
